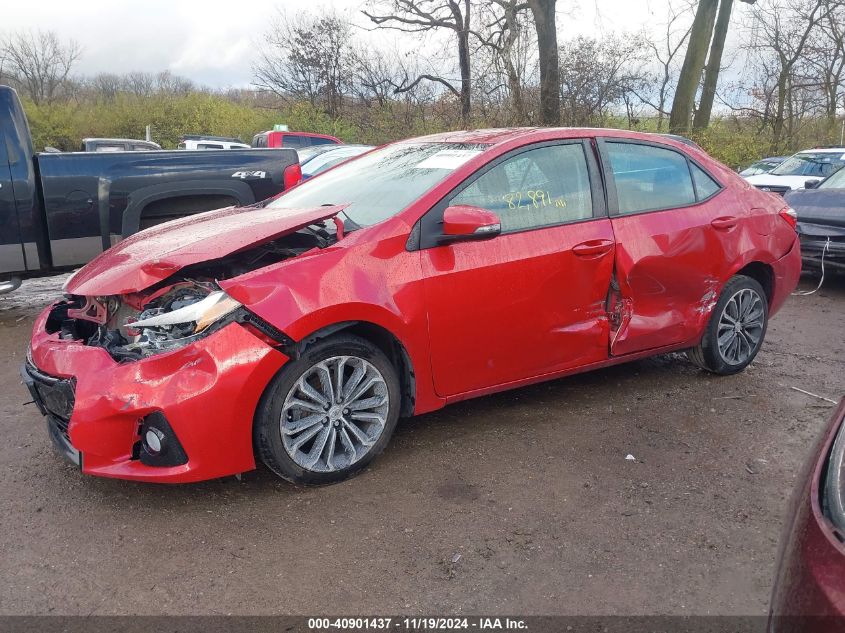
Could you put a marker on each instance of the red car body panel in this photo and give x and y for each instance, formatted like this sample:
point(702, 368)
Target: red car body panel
point(809, 591)
point(472, 317)
point(671, 304)
point(210, 391)
point(153, 255)
point(556, 322)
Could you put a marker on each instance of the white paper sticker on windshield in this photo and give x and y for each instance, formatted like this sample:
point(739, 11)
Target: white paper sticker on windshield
point(448, 159)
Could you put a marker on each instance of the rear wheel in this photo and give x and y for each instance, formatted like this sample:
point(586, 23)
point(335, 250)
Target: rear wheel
point(736, 328)
point(329, 413)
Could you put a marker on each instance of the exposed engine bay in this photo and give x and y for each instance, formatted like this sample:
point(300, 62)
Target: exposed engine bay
point(180, 309)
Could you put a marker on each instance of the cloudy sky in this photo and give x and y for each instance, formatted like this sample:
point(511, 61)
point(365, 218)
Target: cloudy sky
point(214, 42)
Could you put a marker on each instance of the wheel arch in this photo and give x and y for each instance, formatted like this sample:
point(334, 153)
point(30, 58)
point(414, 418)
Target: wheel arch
point(386, 341)
point(140, 199)
point(763, 274)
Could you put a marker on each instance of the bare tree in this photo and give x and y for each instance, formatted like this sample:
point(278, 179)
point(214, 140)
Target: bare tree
point(714, 65)
point(506, 35)
point(307, 57)
point(785, 29)
point(40, 63)
point(665, 50)
point(597, 75)
point(421, 16)
point(140, 84)
point(827, 57)
point(546, 27)
point(699, 40)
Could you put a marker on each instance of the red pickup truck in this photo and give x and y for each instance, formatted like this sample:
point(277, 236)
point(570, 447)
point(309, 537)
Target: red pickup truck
point(297, 140)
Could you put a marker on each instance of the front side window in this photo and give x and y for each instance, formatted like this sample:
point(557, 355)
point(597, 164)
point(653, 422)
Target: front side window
point(382, 183)
point(649, 178)
point(540, 187)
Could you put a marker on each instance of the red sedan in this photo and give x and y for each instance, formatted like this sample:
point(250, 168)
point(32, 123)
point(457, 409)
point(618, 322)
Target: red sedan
point(422, 273)
point(809, 592)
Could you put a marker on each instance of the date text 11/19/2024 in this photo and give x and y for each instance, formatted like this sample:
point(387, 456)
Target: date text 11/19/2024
point(417, 624)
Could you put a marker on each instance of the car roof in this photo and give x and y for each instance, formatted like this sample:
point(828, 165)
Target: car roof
point(117, 140)
point(823, 150)
point(495, 136)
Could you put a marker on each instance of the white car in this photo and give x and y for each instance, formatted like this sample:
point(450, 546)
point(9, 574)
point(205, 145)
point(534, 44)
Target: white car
point(211, 142)
point(808, 165)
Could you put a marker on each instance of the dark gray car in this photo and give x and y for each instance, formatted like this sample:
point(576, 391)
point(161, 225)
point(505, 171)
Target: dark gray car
point(821, 220)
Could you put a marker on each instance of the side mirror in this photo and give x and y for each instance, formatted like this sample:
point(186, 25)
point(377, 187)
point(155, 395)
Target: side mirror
point(464, 223)
point(811, 184)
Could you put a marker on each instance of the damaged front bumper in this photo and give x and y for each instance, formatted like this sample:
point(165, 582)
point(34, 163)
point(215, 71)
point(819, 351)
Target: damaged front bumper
point(822, 241)
point(203, 395)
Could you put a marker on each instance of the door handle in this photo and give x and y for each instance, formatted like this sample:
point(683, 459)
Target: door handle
point(592, 248)
point(724, 223)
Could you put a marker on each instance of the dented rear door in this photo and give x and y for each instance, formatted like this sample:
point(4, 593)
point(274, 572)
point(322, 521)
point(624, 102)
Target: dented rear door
point(676, 238)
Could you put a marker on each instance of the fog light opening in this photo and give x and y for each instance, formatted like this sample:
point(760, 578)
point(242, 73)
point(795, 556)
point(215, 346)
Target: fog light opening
point(154, 441)
point(159, 446)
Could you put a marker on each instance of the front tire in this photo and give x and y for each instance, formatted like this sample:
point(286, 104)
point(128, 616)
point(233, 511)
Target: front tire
point(329, 413)
point(736, 328)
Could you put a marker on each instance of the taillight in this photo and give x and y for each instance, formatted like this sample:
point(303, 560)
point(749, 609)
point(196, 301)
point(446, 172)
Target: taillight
point(292, 175)
point(789, 215)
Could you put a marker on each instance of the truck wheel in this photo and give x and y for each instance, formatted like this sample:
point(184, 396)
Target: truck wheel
point(736, 328)
point(329, 413)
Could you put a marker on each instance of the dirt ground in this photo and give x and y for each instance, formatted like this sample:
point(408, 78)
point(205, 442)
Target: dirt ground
point(519, 503)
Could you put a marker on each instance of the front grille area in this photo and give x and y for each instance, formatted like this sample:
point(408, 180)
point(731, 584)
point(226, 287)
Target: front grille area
point(778, 189)
point(54, 396)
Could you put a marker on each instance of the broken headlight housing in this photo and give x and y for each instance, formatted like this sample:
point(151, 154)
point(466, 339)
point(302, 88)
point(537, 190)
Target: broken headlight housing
point(186, 315)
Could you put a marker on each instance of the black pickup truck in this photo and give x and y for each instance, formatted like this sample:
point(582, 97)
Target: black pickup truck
point(59, 210)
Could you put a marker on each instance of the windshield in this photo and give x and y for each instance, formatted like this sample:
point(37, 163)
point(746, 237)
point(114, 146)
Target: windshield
point(819, 164)
point(836, 181)
point(760, 167)
point(382, 183)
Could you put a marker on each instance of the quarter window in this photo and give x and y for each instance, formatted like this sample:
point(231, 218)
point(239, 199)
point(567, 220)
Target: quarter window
point(540, 187)
point(649, 178)
point(705, 186)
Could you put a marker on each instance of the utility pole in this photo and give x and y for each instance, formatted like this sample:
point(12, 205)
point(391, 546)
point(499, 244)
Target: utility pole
point(149, 133)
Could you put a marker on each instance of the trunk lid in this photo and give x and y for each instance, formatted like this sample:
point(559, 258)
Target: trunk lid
point(819, 206)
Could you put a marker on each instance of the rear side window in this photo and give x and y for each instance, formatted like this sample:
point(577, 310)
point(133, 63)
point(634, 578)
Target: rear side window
point(705, 186)
point(109, 148)
point(209, 146)
point(649, 178)
point(540, 187)
point(291, 140)
point(316, 140)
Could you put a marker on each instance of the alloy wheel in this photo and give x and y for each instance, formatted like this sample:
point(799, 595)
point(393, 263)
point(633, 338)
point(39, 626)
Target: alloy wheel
point(334, 413)
point(741, 326)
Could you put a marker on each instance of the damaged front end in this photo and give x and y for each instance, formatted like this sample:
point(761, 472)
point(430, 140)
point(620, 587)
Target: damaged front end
point(165, 380)
point(180, 310)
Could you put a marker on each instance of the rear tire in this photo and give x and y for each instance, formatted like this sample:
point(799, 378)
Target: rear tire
point(329, 413)
point(736, 329)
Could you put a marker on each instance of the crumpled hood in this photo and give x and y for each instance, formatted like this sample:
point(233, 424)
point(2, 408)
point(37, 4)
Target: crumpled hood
point(150, 256)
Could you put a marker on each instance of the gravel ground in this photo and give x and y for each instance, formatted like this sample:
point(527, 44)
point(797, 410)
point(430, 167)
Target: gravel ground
point(521, 503)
